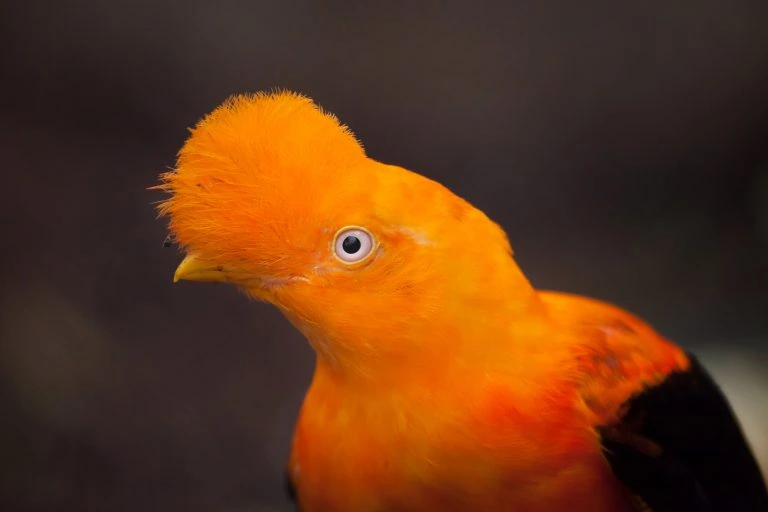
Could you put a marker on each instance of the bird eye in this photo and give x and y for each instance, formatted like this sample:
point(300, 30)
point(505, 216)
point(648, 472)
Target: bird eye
point(353, 244)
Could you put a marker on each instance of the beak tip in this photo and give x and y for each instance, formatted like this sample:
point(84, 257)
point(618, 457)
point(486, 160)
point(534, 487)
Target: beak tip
point(188, 264)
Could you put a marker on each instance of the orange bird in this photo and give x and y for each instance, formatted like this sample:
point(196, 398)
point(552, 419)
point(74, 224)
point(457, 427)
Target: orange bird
point(443, 381)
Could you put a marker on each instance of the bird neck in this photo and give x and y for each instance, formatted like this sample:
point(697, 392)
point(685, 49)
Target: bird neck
point(474, 329)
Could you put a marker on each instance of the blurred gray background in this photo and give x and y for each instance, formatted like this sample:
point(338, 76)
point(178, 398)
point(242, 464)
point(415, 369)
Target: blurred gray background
point(623, 147)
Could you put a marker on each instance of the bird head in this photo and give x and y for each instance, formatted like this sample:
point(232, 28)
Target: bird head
point(370, 261)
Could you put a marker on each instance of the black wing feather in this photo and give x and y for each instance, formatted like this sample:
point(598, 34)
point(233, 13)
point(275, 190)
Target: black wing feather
point(679, 448)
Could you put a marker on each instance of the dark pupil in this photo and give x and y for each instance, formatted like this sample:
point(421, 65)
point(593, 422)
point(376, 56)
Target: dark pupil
point(351, 244)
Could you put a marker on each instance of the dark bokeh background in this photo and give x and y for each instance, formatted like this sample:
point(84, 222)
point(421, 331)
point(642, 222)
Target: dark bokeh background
point(622, 146)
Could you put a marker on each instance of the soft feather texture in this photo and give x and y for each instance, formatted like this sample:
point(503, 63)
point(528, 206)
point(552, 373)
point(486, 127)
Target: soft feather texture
point(444, 381)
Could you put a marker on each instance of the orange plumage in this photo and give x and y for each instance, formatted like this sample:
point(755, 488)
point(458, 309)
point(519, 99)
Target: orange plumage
point(443, 381)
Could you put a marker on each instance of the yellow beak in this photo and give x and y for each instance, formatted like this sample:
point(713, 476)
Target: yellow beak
point(193, 268)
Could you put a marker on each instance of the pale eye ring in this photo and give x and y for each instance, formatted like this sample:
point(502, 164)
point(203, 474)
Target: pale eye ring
point(353, 244)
